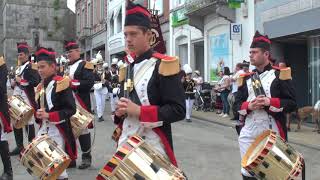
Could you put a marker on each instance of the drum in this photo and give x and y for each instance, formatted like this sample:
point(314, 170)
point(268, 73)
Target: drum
point(80, 121)
point(20, 112)
point(138, 160)
point(270, 157)
point(44, 159)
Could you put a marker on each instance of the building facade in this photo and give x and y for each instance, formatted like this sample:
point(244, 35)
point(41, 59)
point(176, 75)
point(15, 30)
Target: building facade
point(115, 23)
point(214, 19)
point(91, 26)
point(186, 41)
point(295, 35)
point(45, 23)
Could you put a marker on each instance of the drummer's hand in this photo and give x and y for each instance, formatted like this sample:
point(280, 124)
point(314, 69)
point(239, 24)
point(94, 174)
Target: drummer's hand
point(42, 114)
point(254, 105)
point(18, 79)
point(126, 106)
point(263, 100)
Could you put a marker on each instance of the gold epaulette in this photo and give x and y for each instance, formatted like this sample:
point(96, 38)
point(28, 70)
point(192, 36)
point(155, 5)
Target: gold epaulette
point(169, 66)
point(285, 73)
point(2, 62)
point(241, 78)
point(122, 73)
point(34, 66)
point(62, 83)
point(89, 65)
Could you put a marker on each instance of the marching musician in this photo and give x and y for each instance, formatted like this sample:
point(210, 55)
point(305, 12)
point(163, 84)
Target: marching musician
point(27, 78)
point(5, 126)
point(55, 104)
point(100, 89)
point(113, 79)
point(189, 87)
point(82, 80)
point(157, 98)
point(266, 110)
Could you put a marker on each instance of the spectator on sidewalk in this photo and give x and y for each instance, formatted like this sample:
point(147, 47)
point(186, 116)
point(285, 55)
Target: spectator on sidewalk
point(223, 87)
point(189, 87)
point(238, 70)
point(198, 86)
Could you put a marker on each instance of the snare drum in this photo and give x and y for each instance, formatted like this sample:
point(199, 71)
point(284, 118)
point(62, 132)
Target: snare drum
point(137, 160)
point(44, 159)
point(80, 121)
point(20, 112)
point(270, 157)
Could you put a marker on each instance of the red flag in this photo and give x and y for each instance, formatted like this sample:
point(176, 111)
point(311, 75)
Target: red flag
point(157, 42)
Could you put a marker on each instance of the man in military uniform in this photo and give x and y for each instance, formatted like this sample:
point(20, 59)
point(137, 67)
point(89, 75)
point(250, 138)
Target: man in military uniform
point(5, 126)
point(157, 98)
point(263, 108)
point(82, 80)
point(55, 105)
point(100, 89)
point(27, 78)
point(189, 87)
point(113, 78)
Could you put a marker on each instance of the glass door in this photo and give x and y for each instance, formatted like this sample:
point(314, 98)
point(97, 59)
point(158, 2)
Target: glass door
point(314, 69)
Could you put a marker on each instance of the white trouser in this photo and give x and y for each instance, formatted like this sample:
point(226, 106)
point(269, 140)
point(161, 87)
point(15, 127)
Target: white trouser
point(256, 123)
point(100, 97)
point(19, 92)
point(52, 131)
point(189, 104)
point(92, 101)
point(113, 102)
point(4, 136)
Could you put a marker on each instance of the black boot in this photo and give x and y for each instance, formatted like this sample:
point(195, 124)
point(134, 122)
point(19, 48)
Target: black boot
point(248, 178)
point(100, 119)
point(4, 152)
point(72, 164)
point(85, 144)
point(31, 132)
point(18, 135)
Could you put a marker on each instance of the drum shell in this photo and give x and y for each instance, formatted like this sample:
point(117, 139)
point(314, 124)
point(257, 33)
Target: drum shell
point(44, 159)
point(80, 121)
point(276, 160)
point(20, 112)
point(137, 158)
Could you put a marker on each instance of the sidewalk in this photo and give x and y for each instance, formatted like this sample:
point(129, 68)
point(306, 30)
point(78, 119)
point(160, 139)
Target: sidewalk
point(305, 136)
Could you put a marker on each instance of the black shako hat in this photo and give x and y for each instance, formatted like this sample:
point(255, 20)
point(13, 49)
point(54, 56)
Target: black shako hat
point(23, 47)
point(137, 15)
point(260, 41)
point(68, 45)
point(45, 54)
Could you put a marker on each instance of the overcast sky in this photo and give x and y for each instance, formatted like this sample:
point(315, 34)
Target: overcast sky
point(72, 5)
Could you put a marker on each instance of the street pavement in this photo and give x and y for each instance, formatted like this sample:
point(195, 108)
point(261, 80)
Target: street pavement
point(205, 150)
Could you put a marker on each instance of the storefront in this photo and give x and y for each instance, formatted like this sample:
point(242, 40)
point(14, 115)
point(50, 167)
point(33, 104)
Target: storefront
point(187, 41)
point(297, 45)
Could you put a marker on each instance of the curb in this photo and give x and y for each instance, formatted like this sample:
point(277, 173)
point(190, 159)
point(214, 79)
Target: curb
point(227, 125)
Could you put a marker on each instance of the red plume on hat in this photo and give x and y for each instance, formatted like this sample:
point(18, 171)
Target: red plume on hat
point(260, 41)
point(68, 45)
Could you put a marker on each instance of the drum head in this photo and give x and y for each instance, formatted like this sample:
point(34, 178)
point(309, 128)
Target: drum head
point(256, 148)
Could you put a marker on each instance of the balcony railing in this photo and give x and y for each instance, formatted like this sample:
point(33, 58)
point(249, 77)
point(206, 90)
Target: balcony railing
point(85, 32)
point(195, 5)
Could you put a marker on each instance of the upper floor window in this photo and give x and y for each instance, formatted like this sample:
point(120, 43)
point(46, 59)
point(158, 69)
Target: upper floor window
point(157, 5)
